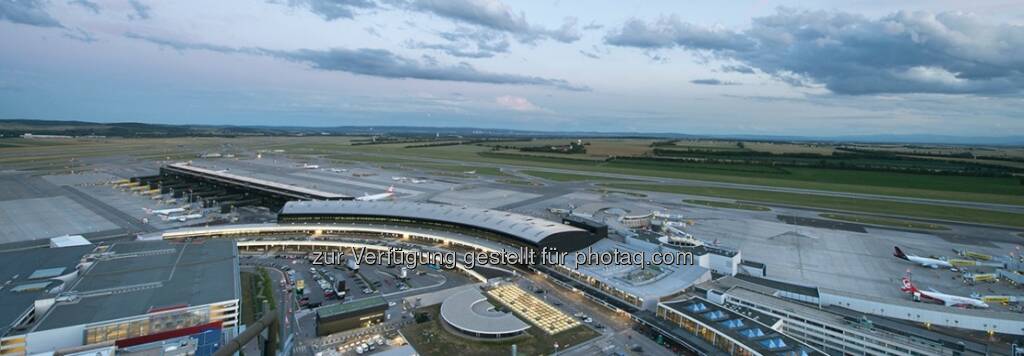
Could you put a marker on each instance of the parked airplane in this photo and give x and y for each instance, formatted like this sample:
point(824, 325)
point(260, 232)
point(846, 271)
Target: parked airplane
point(417, 181)
point(470, 172)
point(184, 218)
point(387, 194)
point(339, 170)
point(310, 166)
point(165, 211)
point(936, 296)
point(924, 261)
point(399, 179)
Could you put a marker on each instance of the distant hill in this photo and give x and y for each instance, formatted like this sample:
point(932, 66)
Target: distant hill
point(15, 128)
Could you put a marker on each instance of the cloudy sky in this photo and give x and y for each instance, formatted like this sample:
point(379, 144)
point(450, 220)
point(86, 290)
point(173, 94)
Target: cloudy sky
point(700, 67)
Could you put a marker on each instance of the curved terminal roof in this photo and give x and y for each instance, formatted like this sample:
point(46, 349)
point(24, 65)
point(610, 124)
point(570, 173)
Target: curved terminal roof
point(469, 311)
point(527, 228)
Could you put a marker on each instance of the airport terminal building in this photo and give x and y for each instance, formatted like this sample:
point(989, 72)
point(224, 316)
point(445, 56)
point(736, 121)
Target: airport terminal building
point(122, 294)
point(505, 227)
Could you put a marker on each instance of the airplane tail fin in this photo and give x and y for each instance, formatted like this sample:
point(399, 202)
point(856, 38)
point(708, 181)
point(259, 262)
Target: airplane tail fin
point(391, 189)
point(908, 286)
point(899, 253)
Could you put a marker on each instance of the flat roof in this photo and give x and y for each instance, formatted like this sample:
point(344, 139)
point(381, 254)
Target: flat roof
point(754, 334)
point(133, 278)
point(229, 176)
point(18, 265)
point(661, 280)
point(469, 310)
point(524, 227)
point(348, 307)
point(838, 316)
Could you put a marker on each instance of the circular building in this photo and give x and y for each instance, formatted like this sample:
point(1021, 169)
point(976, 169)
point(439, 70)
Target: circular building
point(469, 313)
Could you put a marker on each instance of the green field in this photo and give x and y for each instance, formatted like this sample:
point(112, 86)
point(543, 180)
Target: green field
point(256, 287)
point(840, 203)
point(516, 181)
point(1004, 190)
point(612, 191)
point(568, 177)
point(458, 169)
point(430, 338)
point(727, 205)
point(871, 220)
point(57, 156)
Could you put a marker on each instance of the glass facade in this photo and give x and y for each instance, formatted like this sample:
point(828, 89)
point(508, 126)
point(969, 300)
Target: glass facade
point(154, 323)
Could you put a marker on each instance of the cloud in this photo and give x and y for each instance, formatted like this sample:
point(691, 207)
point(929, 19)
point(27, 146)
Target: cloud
point(567, 33)
point(495, 15)
point(86, 4)
point(468, 43)
point(904, 52)
point(590, 55)
point(454, 50)
point(712, 81)
point(516, 103)
point(593, 25)
point(670, 31)
point(141, 10)
point(81, 35)
point(331, 10)
point(383, 63)
point(375, 62)
point(737, 68)
point(27, 12)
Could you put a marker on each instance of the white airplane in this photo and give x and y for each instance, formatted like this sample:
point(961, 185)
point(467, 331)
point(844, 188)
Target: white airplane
point(339, 170)
point(165, 211)
point(418, 181)
point(399, 179)
point(310, 166)
point(184, 218)
point(924, 261)
point(375, 197)
point(470, 172)
point(936, 296)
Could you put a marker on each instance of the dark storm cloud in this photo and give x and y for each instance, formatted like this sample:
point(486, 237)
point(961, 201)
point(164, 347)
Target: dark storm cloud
point(495, 15)
point(141, 10)
point(27, 12)
point(86, 4)
point(377, 63)
point(712, 81)
point(905, 52)
point(333, 9)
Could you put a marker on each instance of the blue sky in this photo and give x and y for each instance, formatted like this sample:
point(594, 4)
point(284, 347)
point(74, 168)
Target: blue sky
point(699, 67)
